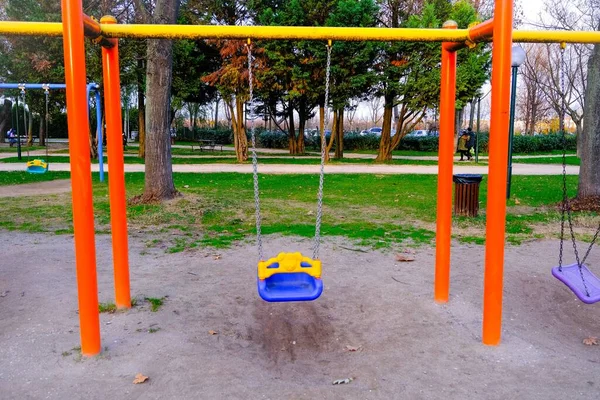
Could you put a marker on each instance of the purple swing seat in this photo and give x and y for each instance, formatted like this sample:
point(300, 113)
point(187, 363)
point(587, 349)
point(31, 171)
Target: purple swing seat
point(571, 277)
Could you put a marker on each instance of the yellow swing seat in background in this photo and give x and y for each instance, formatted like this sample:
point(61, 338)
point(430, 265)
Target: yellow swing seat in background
point(37, 166)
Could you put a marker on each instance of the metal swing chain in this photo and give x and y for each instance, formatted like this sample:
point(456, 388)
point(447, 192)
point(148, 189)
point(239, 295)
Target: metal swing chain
point(46, 93)
point(322, 172)
point(24, 117)
point(254, 158)
point(566, 206)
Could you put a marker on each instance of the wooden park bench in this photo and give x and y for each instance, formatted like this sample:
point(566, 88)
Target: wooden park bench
point(206, 144)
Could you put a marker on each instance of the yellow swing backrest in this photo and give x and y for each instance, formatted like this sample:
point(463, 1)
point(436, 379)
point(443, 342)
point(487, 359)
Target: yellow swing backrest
point(287, 263)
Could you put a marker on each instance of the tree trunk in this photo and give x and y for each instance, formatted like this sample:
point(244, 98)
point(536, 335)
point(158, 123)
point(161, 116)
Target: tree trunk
point(322, 130)
point(458, 124)
point(589, 173)
point(385, 143)
point(159, 170)
point(339, 133)
point(30, 129)
point(300, 139)
point(5, 118)
point(332, 137)
point(291, 129)
point(41, 140)
point(240, 141)
point(242, 147)
point(301, 126)
point(472, 113)
point(216, 125)
point(141, 111)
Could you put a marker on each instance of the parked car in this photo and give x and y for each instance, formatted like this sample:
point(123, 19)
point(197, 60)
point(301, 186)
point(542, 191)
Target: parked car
point(375, 131)
point(418, 133)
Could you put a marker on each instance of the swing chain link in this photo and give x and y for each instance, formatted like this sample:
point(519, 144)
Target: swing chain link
point(322, 172)
point(254, 158)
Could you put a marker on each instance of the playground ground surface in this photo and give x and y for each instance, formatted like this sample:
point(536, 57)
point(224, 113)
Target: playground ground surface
point(407, 346)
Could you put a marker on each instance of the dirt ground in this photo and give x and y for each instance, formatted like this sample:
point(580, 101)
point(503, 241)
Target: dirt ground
point(409, 346)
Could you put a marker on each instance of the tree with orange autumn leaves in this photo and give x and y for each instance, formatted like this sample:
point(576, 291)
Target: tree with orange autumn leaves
point(231, 79)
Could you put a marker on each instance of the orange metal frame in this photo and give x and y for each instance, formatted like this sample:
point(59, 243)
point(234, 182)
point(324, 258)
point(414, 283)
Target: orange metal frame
point(500, 30)
point(76, 25)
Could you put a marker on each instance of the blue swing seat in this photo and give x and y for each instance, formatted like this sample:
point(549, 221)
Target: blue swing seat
point(37, 166)
point(570, 276)
point(289, 277)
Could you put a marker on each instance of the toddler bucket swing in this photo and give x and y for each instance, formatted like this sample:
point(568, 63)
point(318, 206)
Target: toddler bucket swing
point(289, 276)
point(37, 165)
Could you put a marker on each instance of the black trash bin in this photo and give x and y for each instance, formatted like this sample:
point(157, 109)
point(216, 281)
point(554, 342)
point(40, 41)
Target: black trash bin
point(466, 194)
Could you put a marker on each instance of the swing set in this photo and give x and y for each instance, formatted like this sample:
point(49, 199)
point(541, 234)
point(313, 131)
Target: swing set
point(289, 276)
point(40, 166)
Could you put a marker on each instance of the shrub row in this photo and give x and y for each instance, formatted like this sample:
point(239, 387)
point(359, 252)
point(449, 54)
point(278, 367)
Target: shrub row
point(355, 141)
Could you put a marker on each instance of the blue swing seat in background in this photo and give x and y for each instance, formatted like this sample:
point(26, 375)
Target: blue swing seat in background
point(572, 277)
point(37, 166)
point(289, 277)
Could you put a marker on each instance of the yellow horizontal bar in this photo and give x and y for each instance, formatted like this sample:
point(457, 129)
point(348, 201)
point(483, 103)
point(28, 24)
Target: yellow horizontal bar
point(292, 33)
point(283, 32)
point(14, 28)
point(556, 36)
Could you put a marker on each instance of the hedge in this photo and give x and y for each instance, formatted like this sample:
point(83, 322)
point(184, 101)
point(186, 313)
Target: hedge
point(354, 141)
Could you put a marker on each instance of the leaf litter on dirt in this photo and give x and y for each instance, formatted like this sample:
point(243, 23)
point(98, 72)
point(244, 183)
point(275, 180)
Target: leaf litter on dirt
point(139, 378)
point(591, 341)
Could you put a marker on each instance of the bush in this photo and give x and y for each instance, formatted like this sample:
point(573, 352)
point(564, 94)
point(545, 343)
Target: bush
point(271, 139)
point(533, 144)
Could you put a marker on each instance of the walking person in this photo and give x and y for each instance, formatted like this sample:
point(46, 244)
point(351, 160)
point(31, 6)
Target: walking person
point(11, 137)
point(462, 146)
point(471, 141)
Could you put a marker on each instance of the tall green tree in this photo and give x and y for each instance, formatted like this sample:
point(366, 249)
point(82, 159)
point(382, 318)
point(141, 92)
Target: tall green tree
point(409, 72)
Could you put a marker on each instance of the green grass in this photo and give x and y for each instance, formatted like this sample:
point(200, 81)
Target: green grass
point(24, 149)
point(570, 160)
point(217, 210)
point(155, 303)
point(107, 308)
point(20, 177)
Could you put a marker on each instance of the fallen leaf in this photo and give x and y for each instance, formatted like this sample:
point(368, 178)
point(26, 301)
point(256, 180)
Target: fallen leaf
point(211, 332)
point(591, 341)
point(342, 381)
point(353, 348)
point(404, 258)
point(139, 378)
point(517, 201)
point(309, 213)
point(217, 257)
point(186, 186)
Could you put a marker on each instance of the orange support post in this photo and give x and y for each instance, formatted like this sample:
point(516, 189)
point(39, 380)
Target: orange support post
point(116, 174)
point(81, 176)
point(445, 165)
point(498, 160)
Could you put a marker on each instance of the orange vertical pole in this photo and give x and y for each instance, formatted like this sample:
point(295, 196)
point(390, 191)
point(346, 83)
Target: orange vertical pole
point(498, 160)
point(81, 176)
point(445, 164)
point(116, 175)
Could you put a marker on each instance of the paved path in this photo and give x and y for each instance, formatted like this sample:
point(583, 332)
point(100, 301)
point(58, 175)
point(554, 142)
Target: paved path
point(518, 169)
